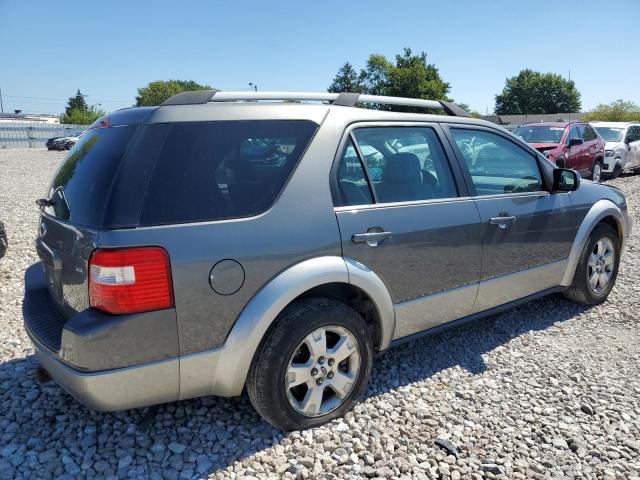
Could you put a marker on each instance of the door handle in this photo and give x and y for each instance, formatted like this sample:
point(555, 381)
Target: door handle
point(373, 239)
point(502, 222)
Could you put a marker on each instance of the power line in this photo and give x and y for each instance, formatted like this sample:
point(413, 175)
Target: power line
point(64, 99)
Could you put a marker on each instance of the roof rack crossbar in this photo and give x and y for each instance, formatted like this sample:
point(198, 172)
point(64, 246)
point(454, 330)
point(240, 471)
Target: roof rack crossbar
point(343, 99)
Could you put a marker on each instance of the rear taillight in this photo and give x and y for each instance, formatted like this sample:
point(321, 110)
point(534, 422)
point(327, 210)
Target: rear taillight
point(130, 280)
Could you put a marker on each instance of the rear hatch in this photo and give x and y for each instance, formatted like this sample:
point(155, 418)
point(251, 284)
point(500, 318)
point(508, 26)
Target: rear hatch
point(76, 204)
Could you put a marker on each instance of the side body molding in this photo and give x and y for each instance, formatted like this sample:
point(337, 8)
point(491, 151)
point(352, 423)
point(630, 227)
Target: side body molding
point(599, 210)
point(223, 371)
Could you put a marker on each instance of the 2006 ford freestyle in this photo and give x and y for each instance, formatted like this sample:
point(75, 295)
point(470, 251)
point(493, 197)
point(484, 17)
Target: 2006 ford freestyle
point(229, 240)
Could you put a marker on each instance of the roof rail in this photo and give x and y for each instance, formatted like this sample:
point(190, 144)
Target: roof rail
point(343, 99)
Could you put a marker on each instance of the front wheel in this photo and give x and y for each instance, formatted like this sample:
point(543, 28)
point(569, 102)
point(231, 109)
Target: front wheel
point(597, 268)
point(313, 366)
point(617, 169)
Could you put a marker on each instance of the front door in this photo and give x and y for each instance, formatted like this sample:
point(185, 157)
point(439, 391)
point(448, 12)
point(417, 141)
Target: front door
point(527, 231)
point(575, 154)
point(632, 142)
point(403, 212)
point(590, 146)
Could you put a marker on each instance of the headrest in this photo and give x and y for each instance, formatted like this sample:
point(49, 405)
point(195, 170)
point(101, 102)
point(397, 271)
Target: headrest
point(403, 168)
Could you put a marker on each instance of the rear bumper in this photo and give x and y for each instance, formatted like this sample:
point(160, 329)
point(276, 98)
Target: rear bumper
point(108, 362)
point(119, 389)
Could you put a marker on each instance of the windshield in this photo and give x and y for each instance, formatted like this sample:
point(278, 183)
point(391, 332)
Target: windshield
point(541, 134)
point(610, 134)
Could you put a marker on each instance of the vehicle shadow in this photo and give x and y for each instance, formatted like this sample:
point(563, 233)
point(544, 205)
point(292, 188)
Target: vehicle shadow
point(194, 438)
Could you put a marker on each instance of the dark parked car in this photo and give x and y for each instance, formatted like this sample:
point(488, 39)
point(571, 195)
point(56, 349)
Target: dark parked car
point(3, 240)
point(574, 145)
point(63, 143)
point(213, 244)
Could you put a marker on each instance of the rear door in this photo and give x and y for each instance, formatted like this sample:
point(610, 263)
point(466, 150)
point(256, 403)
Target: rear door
point(527, 231)
point(404, 212)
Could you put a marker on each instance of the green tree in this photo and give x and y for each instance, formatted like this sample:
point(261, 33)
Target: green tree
point(347, 80)
point(81, 115)
point(410, 76)
point(158, 91)
point(413, 77)
point(77, 102)
point(616, 111)
point(375, 76)
point(534, 92)
point(467, 108)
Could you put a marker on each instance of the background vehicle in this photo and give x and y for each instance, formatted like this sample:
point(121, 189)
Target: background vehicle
point(622, 146)
point(3, 240)
point(253, 257)
point(64, 143)
point(574, 145)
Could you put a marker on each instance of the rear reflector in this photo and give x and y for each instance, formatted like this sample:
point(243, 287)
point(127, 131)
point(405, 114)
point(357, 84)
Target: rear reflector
point(130, 280)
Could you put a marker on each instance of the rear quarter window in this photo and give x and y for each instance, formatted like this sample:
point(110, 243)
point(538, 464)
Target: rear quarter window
point(225, 169)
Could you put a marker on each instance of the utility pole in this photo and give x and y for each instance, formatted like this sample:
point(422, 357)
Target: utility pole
point(1, 105)
point(569, 107)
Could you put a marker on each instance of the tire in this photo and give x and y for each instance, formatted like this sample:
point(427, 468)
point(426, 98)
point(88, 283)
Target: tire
point(617, 170)
point(581, 289)
point(596, 171)
point(287, 344)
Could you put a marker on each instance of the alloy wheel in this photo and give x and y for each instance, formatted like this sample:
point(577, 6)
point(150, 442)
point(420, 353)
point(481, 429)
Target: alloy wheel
point(597, 173)
point(322, 370)
point(601, 265)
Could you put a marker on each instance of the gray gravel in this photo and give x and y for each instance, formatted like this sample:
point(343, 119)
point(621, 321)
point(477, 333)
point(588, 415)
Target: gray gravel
point(548, 390)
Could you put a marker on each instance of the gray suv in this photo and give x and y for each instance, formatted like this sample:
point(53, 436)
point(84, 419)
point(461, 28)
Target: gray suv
point(277, 241)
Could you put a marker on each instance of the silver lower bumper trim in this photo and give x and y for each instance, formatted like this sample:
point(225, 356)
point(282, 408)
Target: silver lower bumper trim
point(120, 389)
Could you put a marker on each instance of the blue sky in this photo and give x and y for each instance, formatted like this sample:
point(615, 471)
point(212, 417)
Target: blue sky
point(110, 48)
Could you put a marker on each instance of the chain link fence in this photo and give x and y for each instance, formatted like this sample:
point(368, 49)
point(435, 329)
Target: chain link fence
point(34, 135)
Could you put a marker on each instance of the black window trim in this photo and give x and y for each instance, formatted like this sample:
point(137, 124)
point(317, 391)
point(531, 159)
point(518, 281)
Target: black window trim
point(545, 174)
point(449, 154)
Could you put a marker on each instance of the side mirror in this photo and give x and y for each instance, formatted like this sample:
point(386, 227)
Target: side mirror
point(575, 141)
point(565, 180)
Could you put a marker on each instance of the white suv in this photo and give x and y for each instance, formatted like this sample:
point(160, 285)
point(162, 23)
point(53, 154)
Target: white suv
point(622, 146)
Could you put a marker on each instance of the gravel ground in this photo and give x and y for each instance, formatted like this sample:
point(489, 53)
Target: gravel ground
point(548, 390)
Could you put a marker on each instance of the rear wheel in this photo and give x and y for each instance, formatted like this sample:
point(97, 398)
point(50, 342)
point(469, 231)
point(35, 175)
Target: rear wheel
point(596, 172)
point(597, 268)
point(313, 366)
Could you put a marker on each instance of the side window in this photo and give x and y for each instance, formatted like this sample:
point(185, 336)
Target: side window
point(588, 134)
point(352, 181)
point(406, 163)
point(226, 169)
point(634, 134)
point(573, 133)
point(496, 164)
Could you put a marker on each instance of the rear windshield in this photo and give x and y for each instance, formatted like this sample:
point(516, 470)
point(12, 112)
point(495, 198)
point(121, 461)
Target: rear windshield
point(224, 169)
point(82, 182)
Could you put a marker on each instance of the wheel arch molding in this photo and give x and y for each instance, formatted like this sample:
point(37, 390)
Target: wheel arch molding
point(234, 359)
point(602, 210)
